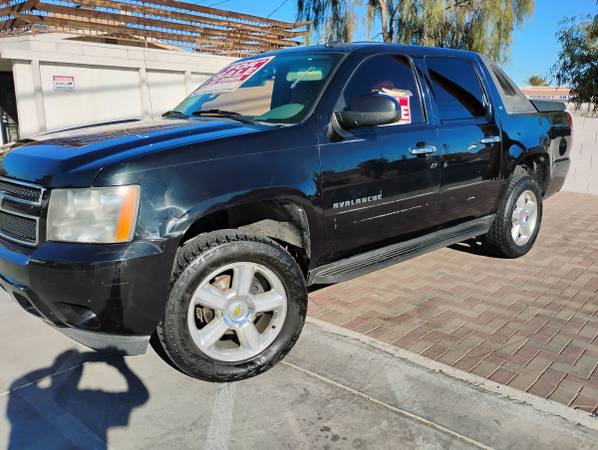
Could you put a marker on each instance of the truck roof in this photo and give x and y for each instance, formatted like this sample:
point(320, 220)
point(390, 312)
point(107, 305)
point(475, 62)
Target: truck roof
point(369, 47)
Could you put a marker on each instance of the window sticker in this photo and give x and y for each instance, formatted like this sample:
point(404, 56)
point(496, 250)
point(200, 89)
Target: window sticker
point(403, 96)
point(233, 76)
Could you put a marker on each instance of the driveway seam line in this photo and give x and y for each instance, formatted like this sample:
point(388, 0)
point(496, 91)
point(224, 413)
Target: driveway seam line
point(31, 383)
point(402, 412)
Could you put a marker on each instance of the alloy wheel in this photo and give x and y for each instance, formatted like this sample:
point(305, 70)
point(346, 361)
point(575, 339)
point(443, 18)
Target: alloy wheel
point(524, 218)
point(237, 311)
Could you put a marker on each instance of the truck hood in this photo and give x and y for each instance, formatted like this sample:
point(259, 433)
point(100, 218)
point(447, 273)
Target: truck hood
point(73, 157)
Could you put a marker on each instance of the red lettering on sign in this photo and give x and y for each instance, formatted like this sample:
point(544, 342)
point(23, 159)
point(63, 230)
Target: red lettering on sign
point(233, 76)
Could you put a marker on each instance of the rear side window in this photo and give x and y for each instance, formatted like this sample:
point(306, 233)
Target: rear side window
point(456, 88)
point(386, 75)
point(514, 100)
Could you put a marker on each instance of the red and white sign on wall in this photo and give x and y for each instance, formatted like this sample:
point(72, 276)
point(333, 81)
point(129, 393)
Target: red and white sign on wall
point(233, 76)
point(63, 83)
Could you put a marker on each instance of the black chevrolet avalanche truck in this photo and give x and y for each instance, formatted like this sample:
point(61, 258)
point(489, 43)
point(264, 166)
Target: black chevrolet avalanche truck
point(203, 230)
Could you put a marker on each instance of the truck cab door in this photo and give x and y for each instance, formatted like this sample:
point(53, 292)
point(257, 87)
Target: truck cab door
point(380, 183)
point(470, 140)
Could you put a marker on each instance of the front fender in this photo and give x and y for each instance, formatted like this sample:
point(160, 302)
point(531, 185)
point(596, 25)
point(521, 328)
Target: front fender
point(175, 196)
point(242, 208)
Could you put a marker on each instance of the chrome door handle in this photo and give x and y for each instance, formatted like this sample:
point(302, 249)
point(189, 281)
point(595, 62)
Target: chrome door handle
point(423, 150)
point(490, 140)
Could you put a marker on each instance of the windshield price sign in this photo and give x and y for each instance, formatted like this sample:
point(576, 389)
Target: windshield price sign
point(233, 76)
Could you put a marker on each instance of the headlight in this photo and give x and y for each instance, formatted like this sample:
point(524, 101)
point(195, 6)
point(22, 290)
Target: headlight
point(93, 215)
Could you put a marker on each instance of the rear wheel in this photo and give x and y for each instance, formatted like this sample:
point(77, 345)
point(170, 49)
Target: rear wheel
point(517, 222)
point(237, 305)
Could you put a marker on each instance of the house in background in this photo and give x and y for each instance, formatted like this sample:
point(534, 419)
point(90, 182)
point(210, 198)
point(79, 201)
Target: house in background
point(562, 94)
point(52, 81)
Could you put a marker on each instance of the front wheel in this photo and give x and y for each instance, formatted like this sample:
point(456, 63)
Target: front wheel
point(237, 305)
point(517, 222)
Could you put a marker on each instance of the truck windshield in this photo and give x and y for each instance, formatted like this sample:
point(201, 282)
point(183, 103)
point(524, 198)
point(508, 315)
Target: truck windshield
point(277, 89)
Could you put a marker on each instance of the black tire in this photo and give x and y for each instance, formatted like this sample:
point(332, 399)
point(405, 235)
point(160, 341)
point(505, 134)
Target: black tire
point(195, 261)
point(499, 240)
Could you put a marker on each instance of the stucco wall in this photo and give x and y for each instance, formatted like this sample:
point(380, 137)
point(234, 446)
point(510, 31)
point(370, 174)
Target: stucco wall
point(111, 82)
point(583, 175)
point(101, 94)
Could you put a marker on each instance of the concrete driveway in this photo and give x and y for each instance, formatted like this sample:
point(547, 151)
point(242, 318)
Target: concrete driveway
point(333, 391)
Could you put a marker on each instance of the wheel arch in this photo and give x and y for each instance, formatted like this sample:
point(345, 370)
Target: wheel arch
point(284, 219)
point(533, 161)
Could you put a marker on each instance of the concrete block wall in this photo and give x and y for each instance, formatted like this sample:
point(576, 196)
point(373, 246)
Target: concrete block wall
point(583, 174)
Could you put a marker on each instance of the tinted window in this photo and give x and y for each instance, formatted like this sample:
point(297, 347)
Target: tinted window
point(456, 88)
point(514, 100)
point(504, 83)
point(387, 75)
point(280, 88)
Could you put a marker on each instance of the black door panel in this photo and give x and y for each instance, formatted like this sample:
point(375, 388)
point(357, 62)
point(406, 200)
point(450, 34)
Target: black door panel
point(470, 185)
point(470, 141)
point(375, 188)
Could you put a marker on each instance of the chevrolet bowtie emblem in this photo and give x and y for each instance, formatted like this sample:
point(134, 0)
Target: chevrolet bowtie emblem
point(237, 311)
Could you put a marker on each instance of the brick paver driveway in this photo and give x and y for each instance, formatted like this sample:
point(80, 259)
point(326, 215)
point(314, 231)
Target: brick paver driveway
point(530, 323)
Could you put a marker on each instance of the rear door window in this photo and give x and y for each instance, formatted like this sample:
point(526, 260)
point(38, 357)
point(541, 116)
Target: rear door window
point(456, 88)
point(387, 75)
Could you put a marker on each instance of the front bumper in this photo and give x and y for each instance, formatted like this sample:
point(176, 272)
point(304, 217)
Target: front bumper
point(127, 345)
point(103, 296)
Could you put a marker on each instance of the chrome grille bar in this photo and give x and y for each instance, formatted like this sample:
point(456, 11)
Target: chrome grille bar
point(20, 226)
point(21, 191)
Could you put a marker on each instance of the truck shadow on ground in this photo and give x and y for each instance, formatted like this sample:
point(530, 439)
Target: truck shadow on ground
point(48, 409)
point(472, 246)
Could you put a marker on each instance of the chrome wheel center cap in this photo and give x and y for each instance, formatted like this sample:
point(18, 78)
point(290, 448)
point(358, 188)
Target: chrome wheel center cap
point(238, 311)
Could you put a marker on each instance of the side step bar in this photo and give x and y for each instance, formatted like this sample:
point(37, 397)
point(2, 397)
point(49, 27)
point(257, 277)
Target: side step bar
point(373, 260)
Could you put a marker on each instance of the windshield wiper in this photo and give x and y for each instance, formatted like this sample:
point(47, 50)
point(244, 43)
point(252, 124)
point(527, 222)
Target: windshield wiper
point(175, 115)
point(226, 114)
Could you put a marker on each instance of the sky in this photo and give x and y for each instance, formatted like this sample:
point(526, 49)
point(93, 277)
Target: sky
point(534, 49)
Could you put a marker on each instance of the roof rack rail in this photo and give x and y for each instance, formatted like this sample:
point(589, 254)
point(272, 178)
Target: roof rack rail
point(334, 43)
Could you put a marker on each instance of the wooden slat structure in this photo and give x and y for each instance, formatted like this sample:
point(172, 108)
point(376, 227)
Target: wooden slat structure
point(172, 22)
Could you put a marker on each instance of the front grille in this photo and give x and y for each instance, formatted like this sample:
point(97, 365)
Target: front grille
point(20, 192)
point(20, 222)
point(18, 228)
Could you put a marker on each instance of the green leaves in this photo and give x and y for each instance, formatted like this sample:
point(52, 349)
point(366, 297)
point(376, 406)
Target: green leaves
point(577, 66)
point(537, 80)
point(331, 20)
point(481, 25)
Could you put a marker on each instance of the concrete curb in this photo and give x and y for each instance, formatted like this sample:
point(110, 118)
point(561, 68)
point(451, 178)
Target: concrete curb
point(541, 404)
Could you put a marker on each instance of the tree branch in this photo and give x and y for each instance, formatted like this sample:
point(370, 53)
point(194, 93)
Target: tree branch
point(457, 4)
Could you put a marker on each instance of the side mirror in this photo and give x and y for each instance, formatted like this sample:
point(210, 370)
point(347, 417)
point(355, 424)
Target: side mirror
point(369, 111)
